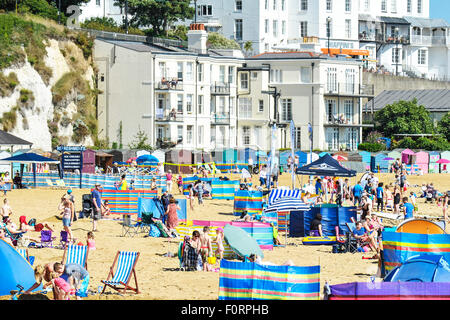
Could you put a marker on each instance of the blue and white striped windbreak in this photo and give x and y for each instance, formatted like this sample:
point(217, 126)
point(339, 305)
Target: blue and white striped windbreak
point(279, 193)
point(287, 204)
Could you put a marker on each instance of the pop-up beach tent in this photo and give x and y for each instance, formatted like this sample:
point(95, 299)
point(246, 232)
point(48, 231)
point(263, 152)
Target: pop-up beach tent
point(421, 268)
point(30, 158)
point(325, 166)
point(14, 270)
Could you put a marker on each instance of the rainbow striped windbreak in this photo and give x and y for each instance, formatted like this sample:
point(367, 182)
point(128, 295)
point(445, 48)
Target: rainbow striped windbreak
point(126, 201)
point(252, 201)
point(252, 281)
point(399, 246)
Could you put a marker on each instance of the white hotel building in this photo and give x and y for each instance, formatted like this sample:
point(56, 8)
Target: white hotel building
point(392, 35)
point(223, 100)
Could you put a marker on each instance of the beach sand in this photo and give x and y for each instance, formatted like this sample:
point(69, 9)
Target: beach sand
point(155, 274)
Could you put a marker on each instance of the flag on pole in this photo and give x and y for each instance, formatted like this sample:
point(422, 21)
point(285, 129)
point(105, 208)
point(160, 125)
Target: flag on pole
point(292, 152)
point(273, 142)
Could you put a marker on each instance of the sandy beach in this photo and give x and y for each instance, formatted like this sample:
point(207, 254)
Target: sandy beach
point(155, 272)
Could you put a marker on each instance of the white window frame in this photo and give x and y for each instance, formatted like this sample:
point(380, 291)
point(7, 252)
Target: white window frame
point(243, 80)
point(303, 5)
point(189, 102)
point(245, 108)
point(286, 109)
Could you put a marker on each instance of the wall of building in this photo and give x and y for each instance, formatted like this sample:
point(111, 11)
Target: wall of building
point(383, 82)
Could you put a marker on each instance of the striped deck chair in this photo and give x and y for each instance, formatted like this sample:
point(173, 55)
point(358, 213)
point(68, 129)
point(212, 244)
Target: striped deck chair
point(119, 281)
point(75, 254)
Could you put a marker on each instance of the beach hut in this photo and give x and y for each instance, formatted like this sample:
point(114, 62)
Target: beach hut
point(103, 160)
point(422, 160)
point(433, 167)
point(366, 158)
point(445, 167)
point(121, 155)
point(408, 156)
point(245, 154)
point(229, 156)
point(178, 161)
point(284, 156)
point(197, 157)
point(302, 158)
point(217, 156)
point(89, 161)
point(355, 157)
point(378, 164)
point(394, 154)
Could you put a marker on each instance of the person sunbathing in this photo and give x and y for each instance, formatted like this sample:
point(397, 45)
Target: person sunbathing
point(32, 225)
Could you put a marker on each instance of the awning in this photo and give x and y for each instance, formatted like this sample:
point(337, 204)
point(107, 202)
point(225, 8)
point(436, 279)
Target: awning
point(393, 20)
point(349, 52)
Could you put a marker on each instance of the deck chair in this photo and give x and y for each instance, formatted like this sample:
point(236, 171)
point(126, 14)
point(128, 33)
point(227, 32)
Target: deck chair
point(120, 279)
point(64, 239)
point(75, 254)
point(352, 243)
point(47, 239)
point(130, 227)
point(15, 237)
point(146, 222)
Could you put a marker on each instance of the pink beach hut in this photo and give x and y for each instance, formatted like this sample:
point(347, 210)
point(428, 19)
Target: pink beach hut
point(408, 156)
point(422, 161)
point(445, 167)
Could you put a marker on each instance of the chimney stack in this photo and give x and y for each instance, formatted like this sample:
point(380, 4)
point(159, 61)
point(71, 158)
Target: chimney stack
point(197, 38)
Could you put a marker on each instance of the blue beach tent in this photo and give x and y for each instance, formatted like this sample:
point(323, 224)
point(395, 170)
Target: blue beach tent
point(14, 270)
point(421, 268)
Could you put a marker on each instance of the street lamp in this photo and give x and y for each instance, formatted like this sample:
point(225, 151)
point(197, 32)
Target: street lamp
point(328, 33)
point(397, 54)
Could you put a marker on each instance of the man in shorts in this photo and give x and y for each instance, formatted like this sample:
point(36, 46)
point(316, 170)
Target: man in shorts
point(205, 247)
point(97, 205)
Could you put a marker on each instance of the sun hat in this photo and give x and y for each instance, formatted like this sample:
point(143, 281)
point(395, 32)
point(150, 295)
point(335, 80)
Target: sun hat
point(69, 191)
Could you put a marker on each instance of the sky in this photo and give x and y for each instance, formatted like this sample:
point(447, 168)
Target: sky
point(440, 9)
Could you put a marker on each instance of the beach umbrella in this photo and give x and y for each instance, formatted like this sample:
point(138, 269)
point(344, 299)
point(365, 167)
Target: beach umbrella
point(241, 242)
point(148, 158)
point(287, 204)
point(441, 161)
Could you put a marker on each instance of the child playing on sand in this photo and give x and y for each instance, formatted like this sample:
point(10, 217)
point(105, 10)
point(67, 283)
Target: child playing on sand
point(90, 240)
point(63, 288)
point(180, 183)
point(205, 248)
point(219, 241)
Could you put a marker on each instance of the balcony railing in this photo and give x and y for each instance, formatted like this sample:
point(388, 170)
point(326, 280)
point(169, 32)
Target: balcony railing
point(220, 88)
point(172, 84)
point(220, 118)
point(384, 38)
point(166, 115)
point(350, 89)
